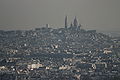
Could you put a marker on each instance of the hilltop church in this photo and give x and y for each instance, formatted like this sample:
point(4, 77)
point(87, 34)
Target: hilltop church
point(74, 25)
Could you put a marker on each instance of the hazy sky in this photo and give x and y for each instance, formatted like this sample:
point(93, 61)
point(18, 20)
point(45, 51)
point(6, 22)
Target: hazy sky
point(103, 15)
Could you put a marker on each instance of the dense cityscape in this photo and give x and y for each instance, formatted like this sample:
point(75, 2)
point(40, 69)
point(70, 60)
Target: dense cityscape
point(69, 53)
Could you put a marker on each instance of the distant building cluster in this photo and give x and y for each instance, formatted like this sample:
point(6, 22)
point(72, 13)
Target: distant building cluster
point(74, 25)
point(68, 53)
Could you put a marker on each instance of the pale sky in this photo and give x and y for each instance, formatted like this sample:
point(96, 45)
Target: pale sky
point(102, 15)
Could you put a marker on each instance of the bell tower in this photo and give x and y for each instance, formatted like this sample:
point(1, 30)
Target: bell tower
point(66, 25)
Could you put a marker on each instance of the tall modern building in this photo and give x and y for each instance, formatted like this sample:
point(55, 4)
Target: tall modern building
point(66, 25)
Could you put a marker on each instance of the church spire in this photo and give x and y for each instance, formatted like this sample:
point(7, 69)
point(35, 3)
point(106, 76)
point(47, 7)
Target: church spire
point(66, 22)
point(75, 22)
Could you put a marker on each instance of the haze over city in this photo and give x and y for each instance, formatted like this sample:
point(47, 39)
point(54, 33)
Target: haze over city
point(101, 15)
point(59, 40)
